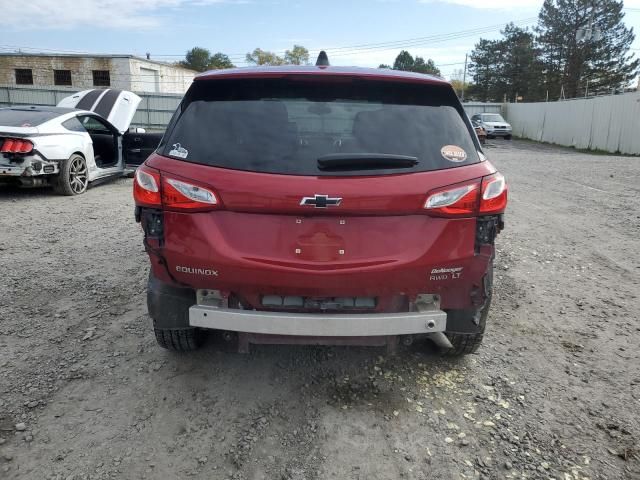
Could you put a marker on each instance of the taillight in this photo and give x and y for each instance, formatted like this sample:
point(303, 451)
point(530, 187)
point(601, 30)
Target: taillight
point(455, 201)
point(153, 189)
point(182, 195)
point(146, 187)
point(494, 194)
point(16, 145)
point(469, 199)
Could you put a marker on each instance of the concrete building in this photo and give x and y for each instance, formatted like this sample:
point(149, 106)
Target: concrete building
point(125, 72)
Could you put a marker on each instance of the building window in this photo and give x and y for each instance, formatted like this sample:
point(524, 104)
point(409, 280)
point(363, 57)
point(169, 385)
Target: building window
point(24, 76)
point(62, 77)
point(101, 78)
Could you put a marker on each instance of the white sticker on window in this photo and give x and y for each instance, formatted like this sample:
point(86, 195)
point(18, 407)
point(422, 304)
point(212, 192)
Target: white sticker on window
point(178, 151)
point(453, 153)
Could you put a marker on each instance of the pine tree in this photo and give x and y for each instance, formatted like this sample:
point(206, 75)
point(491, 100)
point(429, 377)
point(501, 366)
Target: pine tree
point(585, 41)
point(508, 67)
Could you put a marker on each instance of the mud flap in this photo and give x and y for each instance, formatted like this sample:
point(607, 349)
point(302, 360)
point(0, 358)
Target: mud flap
point(473, 320)
point(169, 306)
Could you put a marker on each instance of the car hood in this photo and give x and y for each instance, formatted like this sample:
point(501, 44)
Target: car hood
point(117, 106)
point(497, 124)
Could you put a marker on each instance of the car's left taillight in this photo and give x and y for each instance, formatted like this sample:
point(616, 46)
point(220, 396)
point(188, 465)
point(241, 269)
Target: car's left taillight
point(146, 187)
point(184, 195)
point(151, 188)
point(16, 145)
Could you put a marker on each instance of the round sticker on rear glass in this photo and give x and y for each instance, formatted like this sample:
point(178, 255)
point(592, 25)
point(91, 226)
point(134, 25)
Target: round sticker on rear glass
point(453, 153)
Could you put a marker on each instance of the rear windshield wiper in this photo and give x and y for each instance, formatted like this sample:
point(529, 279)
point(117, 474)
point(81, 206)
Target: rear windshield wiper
point(365, 161)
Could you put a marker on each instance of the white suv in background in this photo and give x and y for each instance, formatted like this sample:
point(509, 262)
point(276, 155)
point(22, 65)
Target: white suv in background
point(494, 125)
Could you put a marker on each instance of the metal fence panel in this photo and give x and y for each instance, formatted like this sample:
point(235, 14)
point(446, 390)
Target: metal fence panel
point(477, 107)
point(610, 123)
point(153, 113)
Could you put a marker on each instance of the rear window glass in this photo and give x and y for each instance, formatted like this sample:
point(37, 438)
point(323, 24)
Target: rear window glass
point(286, 125)
point(16, 117)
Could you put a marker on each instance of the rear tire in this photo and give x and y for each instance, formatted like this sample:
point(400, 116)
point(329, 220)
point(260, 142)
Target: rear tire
point(179, 339)
point(73, 178)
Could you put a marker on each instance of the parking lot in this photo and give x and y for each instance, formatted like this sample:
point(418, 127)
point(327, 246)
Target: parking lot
point(554, 392)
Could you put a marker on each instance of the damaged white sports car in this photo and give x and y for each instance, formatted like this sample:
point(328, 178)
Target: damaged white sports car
point(84, 139)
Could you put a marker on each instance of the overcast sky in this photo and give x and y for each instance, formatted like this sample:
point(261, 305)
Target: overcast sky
point(167, 28)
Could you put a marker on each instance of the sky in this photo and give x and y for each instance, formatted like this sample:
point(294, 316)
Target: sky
point(357, 32)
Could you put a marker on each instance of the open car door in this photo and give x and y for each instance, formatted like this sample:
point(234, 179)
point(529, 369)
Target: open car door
point(137, 145)
point(116, 106)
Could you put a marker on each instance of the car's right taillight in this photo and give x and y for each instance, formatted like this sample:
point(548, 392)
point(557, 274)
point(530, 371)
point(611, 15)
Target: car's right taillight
point(454, 201)
point(146, 187)
point(494, 194)
point(469, 199)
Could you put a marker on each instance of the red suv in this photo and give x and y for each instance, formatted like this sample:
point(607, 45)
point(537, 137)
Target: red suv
point(320, 205)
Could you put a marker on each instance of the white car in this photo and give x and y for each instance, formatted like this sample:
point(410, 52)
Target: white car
point(84, 139)
point(494, 125)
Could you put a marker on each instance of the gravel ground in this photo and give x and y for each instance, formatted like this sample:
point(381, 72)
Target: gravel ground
point(85, 393)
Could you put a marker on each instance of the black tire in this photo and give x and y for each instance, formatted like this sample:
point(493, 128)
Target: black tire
point(73, 178)
point(507, 137)
point(179, 339)
point(466, 343)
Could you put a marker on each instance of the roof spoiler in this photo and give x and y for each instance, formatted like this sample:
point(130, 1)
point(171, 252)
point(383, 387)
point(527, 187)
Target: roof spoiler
point(323, 59)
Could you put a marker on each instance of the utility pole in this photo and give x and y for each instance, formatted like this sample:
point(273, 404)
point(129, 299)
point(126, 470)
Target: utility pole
point(464, 76)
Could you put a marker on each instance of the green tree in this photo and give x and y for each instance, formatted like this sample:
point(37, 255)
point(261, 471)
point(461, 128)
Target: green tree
point(219, 60)
point(197, 59)
point(405, 61)
point(485, 68)
point(585, 41)
point(507, 67)
point(384, 65)
point(429, 67)
point(263, 57)
point(297, 56)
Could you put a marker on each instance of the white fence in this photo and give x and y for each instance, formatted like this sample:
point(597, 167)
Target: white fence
point(610, 123)
point(478, 107)
point(154, 111)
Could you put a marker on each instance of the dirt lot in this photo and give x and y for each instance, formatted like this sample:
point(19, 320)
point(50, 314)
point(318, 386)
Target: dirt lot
point(554, 393)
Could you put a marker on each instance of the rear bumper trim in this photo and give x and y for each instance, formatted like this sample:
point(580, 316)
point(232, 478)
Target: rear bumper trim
point(318, 324)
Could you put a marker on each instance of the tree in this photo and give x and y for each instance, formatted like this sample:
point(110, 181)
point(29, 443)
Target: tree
point(485, 68)
point(507, 67)
point(384, 65)
point(218, 61)
point(297, 56)
point(457, 79)
point(428, 67)
point(585, 41)
point(263, 57)
point(197, 59)
point(404, 61)
point(200, 59)
point(521, 66)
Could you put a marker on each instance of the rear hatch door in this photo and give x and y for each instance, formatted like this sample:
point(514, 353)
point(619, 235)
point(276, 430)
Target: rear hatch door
point(262, 146)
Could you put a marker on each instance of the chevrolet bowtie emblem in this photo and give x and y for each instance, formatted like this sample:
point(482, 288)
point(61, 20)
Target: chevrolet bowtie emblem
point(321, 201)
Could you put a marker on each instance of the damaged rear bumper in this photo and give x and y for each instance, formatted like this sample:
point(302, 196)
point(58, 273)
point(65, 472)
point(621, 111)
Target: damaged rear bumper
point(318, 324)
point(34, 166)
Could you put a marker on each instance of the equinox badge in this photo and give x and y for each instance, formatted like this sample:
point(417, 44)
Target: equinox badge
point(321, 201)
